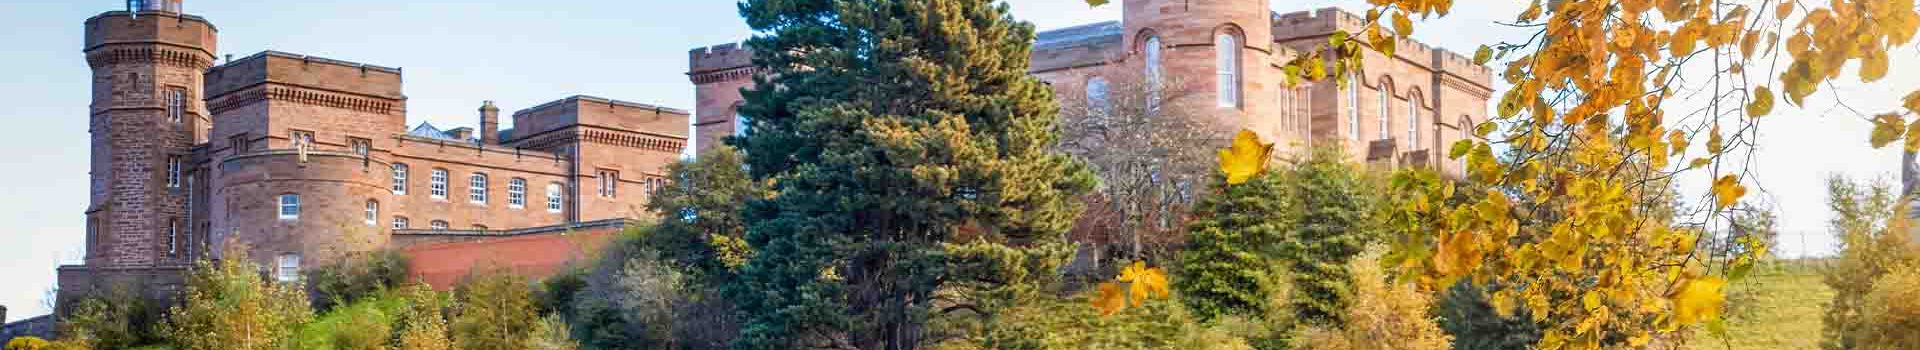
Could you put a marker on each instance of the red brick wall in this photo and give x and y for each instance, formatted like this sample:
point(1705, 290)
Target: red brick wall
point(536, 256)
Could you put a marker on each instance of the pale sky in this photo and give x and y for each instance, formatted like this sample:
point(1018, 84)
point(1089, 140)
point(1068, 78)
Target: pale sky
point(521, 53)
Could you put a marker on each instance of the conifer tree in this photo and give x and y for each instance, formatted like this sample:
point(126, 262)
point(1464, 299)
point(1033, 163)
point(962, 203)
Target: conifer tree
point(1227, 265)
point(1334, 223)
point(888, 128)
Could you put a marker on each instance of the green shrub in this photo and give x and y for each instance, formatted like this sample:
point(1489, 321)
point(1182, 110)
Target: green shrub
point(356, 276)
point(495, 312)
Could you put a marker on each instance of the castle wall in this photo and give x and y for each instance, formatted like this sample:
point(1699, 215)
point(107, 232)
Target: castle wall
point(718, 74)
point(461, 160)
point(333, 189)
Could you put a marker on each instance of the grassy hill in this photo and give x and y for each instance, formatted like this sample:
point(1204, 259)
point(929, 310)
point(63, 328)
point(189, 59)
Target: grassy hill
point(1777, 307)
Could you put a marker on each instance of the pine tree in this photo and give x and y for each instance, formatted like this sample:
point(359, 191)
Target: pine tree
point(887, 128)
point(1227, 267)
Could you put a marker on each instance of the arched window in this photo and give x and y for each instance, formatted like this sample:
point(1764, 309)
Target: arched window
point(1353, 107)
point(1386, 109)
point(1413, 120)
point(1466, 127)
point(1227, 68)
point(1153, 62)
point(1097, 92)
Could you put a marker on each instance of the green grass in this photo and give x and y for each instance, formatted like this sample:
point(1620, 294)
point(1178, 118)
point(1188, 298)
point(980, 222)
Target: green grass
point(1778, 306)
point(319, 334)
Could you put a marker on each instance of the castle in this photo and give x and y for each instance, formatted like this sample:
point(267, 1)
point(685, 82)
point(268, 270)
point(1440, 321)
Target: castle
point(1400, 111)
point(304, 158)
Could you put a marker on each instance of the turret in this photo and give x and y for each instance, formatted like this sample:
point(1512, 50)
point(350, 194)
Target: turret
point(1234, 84)
point(147, 115)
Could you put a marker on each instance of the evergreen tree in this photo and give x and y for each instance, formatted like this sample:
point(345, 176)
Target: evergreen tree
point(702, 231)
point(887, 128)
point(1227, 267)
point(1335, 222)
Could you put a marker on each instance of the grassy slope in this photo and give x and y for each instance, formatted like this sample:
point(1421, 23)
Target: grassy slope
point(1778, 307)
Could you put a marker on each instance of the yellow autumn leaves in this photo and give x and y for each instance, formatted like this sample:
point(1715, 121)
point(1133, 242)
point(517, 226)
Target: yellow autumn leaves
point(1142, 283)
point(1245, 158)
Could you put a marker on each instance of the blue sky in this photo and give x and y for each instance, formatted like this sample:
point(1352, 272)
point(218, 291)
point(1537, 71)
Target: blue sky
point(521, 53)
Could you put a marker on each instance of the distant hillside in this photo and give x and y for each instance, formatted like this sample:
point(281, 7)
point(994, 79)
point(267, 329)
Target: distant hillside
point(1777, 307)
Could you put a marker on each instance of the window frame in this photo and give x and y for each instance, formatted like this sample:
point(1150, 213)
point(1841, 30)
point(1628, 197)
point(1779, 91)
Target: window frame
point(556, 195)
point(289, 202)
point(373, 213)
point(517, 193)
point(173, 237)
point(287, 268)
point(1227, 68)
point(438, 225)
point(400, 172)
point(477, 188)
point(609, 181)
point(1413, 120)
point(1353, 107)
point(437, 187)
point(301, 139)
point(360, 146)
point(1386, 110)
point(176, 104)
point(238, 143)
point(175, 169)
point(401, 223)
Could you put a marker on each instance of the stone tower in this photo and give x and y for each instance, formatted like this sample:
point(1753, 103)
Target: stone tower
point(146, 117)
point(1184, 37)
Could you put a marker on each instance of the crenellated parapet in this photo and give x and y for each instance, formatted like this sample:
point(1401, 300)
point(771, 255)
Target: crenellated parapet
point(722, 62)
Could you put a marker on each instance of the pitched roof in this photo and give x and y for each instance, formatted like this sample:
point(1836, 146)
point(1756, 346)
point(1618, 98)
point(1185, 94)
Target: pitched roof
point(1077, 35)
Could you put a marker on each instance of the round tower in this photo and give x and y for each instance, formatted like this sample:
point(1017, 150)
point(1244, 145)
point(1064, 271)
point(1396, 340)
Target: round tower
point(1220, 52)
point(145, 119)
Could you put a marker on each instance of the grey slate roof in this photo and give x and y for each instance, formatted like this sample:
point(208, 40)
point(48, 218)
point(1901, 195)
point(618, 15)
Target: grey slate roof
point(1077, 35)
point(427, 130)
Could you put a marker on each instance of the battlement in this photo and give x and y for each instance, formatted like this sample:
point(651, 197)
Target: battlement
point(719, 57)
point(1314, 23)
point(148, 27)
point(579, 110)
point(305, 71)
point(1461, 65)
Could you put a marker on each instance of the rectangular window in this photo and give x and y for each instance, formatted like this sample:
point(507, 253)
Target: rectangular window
point(301, 139)
point(238, 143)
point(554, 197)
point(360, 146)
point(1353, 107)
point(173, 171)
point(477, 188)
point(479, 227)
point(399, 178)
point(609, 183)
point(437, 184)
point(400, 223)
point(289, 268)
point(438, 225)
point(176, 104)
point(373, 213)
point(517, 193)
point(173, 237)
point(289, 206)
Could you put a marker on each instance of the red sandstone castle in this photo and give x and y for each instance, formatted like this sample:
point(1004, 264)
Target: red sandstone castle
point(1404, 110)
point(305, 158)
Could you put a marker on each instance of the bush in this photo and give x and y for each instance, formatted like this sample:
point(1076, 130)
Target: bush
point(1383, 316)
point(496, 312)
point(357, 276)
point(423, 325)
point(111, 318)
point(228, 306)
point(1893, 311)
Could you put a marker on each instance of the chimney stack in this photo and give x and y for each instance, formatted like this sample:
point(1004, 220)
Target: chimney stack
point(489, 124)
